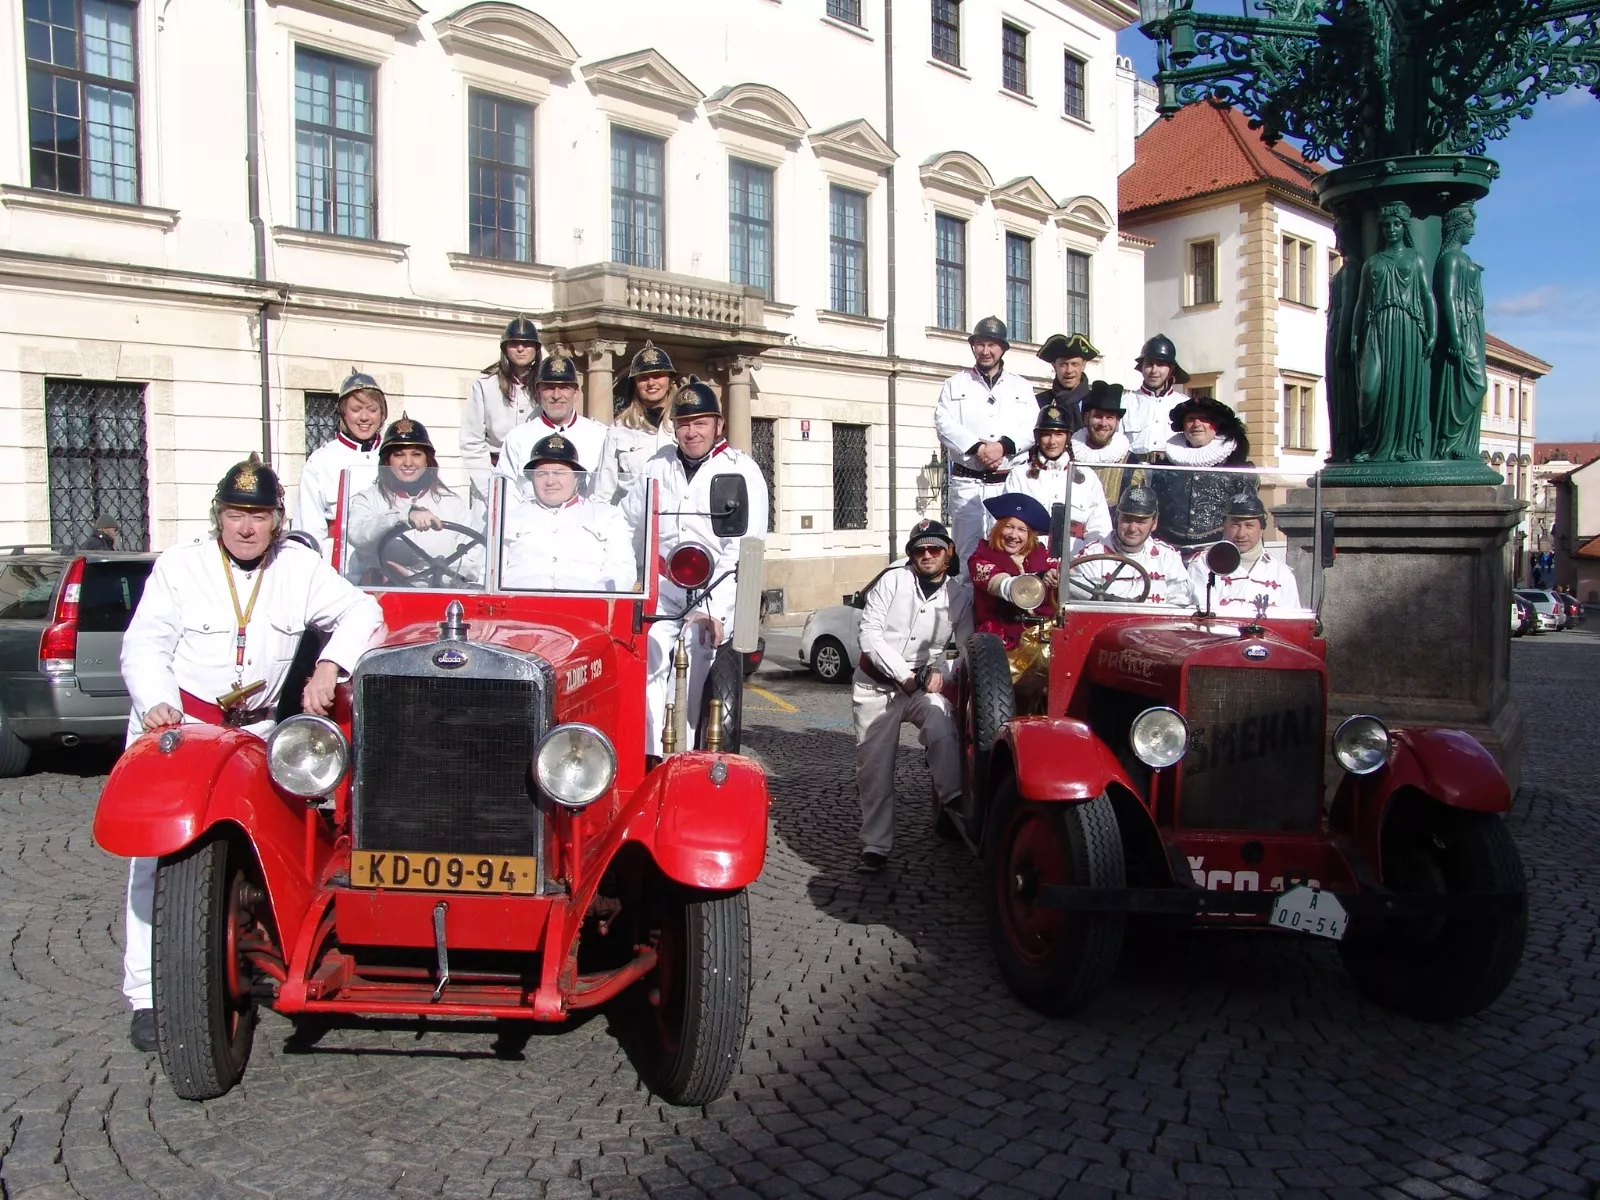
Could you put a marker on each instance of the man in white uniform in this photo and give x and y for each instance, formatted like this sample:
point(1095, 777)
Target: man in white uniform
point(557, 392)
point(1147, 407)
point(212, 641)
point(912, 611)
point(684, 472)
point(984, 418)
point(1132, 539)
point(1260, 573)
point(555, 539)
point(363, 408)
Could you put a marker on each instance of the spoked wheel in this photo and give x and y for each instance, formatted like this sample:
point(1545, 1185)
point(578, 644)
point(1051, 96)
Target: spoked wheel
point(725, 682)
point(205, 907)
point(1055, 960)
point(699, 994)
point(1442, 968)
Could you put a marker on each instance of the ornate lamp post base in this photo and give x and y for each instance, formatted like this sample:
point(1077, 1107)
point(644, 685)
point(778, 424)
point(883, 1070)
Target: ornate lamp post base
point(1431, 473)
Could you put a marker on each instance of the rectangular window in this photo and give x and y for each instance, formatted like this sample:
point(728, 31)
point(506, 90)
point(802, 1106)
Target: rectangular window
point(335, 151)
point(1497, 409)
point(1014, 59)
point(1074, 95)
point(1204, 391)
point(1299, 416)
point(849, 476)
point(848, 11)
point(950, 272)
point(947, 31)
point(638, 181)
point(1019, 286)
point(1298, 284)
point(750, 225)
point(763, 448)
point(1203, 272)
point(1078, 293)
point(500, 167)
point(83, 98)
point(322, 419)
point(95, 445)
point(847, 251)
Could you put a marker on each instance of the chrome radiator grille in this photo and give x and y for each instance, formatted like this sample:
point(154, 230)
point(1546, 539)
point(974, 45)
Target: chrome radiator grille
point(442, 764)
point(1255, 750)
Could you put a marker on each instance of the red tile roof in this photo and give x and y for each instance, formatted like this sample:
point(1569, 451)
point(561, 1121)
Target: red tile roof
point(1577, 453)
point(1207, 148)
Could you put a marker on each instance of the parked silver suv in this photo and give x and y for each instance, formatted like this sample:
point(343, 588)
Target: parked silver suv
point(62, 616)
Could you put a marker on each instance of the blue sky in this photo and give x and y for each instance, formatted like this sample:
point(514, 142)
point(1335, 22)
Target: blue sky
point(1539, 242)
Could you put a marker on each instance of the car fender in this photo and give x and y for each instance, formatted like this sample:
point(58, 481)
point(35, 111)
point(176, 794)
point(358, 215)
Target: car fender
point(702, 832)
point(1059, 758)
point(155, 804)
point(1447, 765)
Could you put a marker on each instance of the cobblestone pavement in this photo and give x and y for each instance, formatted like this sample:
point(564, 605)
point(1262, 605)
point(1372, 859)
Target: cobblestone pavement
point(884, 1056)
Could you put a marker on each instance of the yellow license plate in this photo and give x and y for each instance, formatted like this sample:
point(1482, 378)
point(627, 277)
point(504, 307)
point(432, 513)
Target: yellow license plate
point(489, 874)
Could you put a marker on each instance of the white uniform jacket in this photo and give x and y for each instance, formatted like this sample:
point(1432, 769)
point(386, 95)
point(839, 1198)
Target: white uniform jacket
point(680, 494)
point(902, 630)
point(1090, 516)
point(1147, 417)
point(1169, 578)
point(486, 418)
point(583, 546)
point(373, 514)
point(968, 411)
point(1235, 595)
point(320, 481)
point(623, 457)
point(587, 434)
point(182, 634)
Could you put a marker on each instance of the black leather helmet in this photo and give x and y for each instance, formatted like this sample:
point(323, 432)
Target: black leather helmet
point(557, 368)
point(651, 360)
point(695, 399)
point(1137, 502)
point(1051, 416)
point(359, 381)
point(520, 329)
point(990, 329)
point(1246, 505)
point(1160, 349)
point(555, 448)
point(404, 432)
point(250, 484)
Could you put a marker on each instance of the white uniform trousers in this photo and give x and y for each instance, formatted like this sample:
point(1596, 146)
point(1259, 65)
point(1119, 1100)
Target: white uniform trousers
point(661, 686)
point(967, 514)
point(138, 943)
point(879, 711)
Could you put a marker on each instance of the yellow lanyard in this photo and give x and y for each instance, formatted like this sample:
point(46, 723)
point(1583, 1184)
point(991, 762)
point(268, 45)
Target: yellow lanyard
point(243, 617)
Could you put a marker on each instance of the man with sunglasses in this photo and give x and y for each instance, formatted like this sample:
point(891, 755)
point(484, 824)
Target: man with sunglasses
point(910, 613)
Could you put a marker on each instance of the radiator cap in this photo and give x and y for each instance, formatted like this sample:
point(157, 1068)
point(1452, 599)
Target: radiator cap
point(454, 626)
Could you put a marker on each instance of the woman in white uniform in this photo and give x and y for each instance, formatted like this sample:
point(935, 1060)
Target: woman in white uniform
point(363, 409)
point(555, 539)
point(640, 429)
point(1045, 477)
point(408, 494)
point(500, 400)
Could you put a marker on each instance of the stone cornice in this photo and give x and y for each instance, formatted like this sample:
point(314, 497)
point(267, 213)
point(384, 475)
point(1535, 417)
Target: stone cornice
point(854, 142)
point(33, 199)
point(391, 16)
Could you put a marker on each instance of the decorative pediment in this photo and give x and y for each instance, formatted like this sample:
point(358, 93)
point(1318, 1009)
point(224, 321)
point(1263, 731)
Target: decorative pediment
point(1025, 196)
point(957, 171)
point(1086, 215)
point(645, 76)
point(391, 16)
point(854, 142)
point(507, 33)
point(757, 109)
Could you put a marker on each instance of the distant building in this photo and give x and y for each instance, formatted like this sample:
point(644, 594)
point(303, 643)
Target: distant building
point(1554, 465)
point(1575, 533)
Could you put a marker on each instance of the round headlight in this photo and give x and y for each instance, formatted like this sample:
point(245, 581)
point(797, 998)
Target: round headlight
point(1159, 737)
point(575, 765)
point(307, 756)
point(1361, 744)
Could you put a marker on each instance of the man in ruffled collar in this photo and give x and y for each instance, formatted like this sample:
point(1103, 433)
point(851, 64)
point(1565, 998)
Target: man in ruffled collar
point(1206, 434)
point(1101, 444)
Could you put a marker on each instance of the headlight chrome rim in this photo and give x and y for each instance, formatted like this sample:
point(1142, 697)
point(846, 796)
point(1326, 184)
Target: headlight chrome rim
point(313, 780)
point(592, 789)
point(1366, 756)
point(1159, 737)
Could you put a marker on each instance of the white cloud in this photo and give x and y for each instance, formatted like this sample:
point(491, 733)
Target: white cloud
point(1534, 302)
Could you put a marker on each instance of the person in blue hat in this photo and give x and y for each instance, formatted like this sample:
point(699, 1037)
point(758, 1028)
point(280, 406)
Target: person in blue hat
point(363, 409)
point(556, 387)
point(1016, 545)
point(409, 493)
point(1099, 572)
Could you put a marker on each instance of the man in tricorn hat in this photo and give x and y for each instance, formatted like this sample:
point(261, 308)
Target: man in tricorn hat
point(1160, 387)
point(1132, 537)
point(984, 417)
point(212, 641)
point(1261, 573)
point(557, 391)
point(1069, 357)
point(1101, 444)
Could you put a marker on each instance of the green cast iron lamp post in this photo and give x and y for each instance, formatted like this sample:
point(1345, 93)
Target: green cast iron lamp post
point(1404, 95)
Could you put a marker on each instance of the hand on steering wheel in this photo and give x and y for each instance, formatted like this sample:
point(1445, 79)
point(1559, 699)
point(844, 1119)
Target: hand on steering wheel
point(1099, 590)
point(434, 570)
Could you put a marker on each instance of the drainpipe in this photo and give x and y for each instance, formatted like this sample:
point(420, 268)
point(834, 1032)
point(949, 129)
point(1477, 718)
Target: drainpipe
point(257, 225)
point(889, 342)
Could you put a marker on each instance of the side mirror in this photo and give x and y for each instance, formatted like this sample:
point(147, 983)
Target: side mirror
point(1329, 553)
point(1058, 530)
point(730, 506)
point(1222, 559)
point(854, 599)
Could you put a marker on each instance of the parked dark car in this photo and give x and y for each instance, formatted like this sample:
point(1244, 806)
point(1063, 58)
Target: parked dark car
point(1575, 613)
point(1524, 617)
point(62, 617)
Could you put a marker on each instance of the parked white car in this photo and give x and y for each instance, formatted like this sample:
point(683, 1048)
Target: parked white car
point(1552, 613)
point(829, 645)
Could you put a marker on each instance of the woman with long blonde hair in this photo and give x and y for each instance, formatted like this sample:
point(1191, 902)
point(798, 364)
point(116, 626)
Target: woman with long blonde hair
point(641, 428)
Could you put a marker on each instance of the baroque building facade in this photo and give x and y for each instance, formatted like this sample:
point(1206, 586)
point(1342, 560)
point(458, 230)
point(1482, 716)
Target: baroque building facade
point(211, 211)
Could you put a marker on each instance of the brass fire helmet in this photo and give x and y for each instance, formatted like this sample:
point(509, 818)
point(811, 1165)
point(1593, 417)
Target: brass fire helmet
point(1030, 660)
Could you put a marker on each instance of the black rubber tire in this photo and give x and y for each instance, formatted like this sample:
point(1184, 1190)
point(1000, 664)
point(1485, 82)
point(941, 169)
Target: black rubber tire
point(1055, 961)
point(725, 682)
point(204, 1032)
point(14, 752)
point(828, 661)
point(1441, 969)
point(703, 983)
point(991, 702)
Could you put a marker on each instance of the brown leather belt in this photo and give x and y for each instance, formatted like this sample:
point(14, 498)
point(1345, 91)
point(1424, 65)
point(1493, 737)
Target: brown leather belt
point(961, 472)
